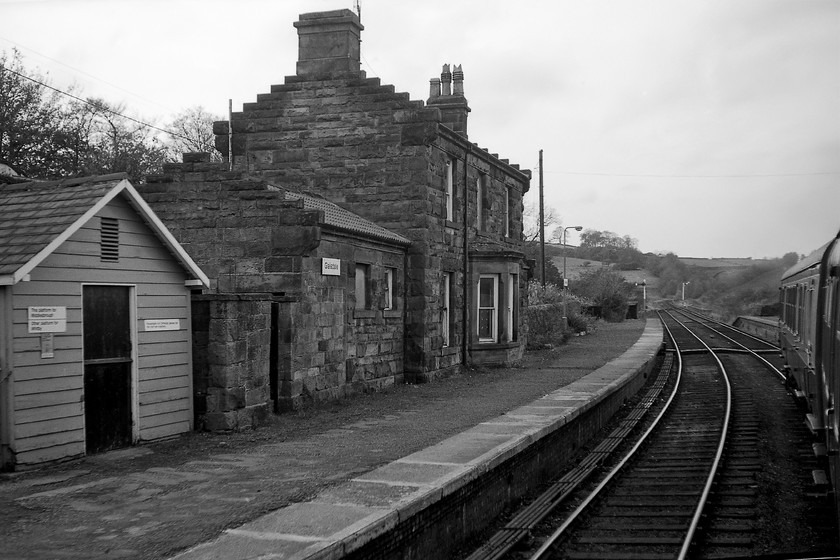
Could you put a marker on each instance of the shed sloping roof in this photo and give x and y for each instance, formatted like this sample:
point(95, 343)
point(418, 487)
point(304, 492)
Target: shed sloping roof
point(36, 217)
point(338, 217)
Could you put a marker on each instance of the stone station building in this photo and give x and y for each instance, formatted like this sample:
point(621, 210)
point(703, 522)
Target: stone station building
point(330, 172)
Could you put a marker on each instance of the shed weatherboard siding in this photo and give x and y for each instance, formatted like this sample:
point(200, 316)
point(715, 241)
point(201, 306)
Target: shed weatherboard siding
point(48, 392)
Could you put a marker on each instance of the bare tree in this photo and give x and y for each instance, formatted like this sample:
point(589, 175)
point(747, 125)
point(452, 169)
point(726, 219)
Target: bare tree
point(531, 223)
point(193, 132)
point(107, 141)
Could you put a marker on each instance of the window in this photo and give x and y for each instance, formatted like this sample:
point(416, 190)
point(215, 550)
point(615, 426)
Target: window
point(109, 240)
point(488, 311)
point(449, 190)
point(513, 290)
point(389, 288)
point(479, 203)
point(362, 286)
point(446, 290)
point(507, 212)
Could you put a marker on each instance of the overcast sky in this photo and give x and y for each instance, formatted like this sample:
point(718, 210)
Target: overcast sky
point(708, 128)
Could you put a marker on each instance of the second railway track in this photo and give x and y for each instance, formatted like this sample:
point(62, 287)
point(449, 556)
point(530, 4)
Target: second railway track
point(691, 488)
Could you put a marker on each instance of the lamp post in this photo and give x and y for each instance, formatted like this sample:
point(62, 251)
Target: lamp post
point(565, 281)
point(644, 294)
point(683, 292)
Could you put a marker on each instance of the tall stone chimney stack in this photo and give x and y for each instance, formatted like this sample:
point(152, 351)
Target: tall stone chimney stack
point(451, 101)
point(328, 45)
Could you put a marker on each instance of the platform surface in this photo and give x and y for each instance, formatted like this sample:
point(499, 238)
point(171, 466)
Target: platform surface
point(343, 518)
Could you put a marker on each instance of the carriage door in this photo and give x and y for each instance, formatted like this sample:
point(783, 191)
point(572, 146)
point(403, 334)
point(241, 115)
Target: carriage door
point(107, 352)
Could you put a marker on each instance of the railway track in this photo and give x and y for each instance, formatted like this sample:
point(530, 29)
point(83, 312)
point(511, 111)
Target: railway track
point(687, 487)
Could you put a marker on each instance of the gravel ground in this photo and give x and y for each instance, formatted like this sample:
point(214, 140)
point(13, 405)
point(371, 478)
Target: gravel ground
point(153, 500)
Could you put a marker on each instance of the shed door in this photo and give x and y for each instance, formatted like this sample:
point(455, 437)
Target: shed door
point(107, 333)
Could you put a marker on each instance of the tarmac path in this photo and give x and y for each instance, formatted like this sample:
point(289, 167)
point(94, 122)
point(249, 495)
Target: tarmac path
point(154, 500)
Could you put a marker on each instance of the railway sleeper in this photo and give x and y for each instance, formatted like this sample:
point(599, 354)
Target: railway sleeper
point(604, 555)
point(652, 540)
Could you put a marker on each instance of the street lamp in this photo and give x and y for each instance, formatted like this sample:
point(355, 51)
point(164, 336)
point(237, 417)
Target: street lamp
point(683, 292)
point(644, 294)
point(565, 281)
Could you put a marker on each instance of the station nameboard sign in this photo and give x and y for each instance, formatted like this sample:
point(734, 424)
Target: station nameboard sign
point(330, 267)
point(44, 319)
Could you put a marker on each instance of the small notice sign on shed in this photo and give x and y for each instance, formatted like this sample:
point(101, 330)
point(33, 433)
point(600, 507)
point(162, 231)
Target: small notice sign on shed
point(162, 325)
point(47, 319)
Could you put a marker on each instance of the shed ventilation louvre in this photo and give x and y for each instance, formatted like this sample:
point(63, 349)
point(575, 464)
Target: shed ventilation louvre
point(109, 240)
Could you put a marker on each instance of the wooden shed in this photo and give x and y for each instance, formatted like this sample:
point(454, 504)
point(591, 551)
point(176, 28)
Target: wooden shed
point(95, 334)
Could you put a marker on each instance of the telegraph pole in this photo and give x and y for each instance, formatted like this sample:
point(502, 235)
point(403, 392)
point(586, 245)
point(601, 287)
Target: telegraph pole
point(542, 226)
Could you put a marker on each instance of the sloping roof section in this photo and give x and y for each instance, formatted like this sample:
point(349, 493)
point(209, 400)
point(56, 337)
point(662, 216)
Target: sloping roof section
point(339, 218)
point(37, 217)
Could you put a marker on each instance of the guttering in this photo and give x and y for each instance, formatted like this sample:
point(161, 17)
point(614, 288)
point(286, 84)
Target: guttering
point(465, 311)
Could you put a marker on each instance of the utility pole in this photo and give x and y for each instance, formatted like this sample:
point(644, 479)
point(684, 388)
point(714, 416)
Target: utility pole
point(542, 226)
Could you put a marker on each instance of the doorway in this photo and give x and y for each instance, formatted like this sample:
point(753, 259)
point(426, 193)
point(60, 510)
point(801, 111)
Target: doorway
point(108, 367)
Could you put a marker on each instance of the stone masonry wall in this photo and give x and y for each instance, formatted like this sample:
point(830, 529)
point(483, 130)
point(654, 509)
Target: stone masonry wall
point(231, 379)
point(382, 156)
point(250, 242)
point(336, 350)
point(246, 238)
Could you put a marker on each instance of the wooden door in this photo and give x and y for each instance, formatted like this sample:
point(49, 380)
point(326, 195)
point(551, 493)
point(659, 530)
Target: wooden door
point(108, 364)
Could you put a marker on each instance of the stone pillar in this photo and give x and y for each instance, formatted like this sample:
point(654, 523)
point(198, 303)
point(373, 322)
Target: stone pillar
point(231, 355)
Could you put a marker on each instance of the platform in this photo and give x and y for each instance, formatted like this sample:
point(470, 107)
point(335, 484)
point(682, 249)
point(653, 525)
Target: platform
point(429, 500)
point(766, 328)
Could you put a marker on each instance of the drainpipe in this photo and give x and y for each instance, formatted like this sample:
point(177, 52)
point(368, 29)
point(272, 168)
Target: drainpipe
point(465, 326)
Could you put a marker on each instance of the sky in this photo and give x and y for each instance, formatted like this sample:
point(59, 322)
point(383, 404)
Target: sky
point(706, 128)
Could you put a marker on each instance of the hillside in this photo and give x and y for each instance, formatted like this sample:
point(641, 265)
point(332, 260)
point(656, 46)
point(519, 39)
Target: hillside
point(718, 262)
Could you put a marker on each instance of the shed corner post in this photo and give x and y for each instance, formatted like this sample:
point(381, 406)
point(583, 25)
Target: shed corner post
point(6, 380)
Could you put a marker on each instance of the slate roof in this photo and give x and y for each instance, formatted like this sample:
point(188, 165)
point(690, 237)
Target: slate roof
point(33, 214)
point(339, 218)
point(36, 216)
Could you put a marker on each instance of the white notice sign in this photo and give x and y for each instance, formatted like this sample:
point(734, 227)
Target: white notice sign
point(162, 325)
point(331, 267)
point(47, 319)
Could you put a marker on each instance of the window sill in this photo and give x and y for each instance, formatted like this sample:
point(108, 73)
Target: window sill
point(448, 350)
point(392, 313)
point(495, 345)
point(364, 313)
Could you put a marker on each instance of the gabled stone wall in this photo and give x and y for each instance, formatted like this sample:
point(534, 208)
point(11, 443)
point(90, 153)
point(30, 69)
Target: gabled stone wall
point(274, 327)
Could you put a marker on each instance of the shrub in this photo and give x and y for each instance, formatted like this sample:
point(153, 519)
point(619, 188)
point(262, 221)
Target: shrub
point(544, 315)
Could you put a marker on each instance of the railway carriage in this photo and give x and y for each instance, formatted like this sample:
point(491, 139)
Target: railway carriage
point(809, 335)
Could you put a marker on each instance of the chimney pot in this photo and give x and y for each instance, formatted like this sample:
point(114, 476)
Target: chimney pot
point(434, 88)
point(446, 80)
point(458, 81)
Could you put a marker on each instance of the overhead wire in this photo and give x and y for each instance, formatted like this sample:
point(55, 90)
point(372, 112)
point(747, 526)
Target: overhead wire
point(98, 107)
point(667, 176)
point(88, 74)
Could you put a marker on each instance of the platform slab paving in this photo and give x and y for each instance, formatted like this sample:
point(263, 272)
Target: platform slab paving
point(343, 518)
